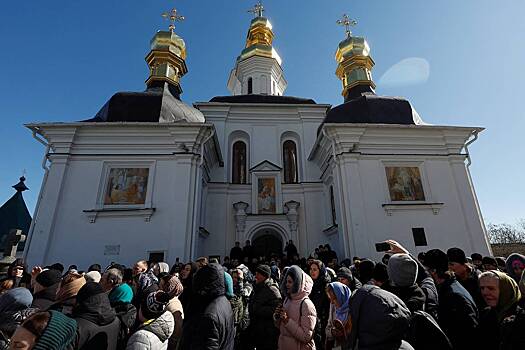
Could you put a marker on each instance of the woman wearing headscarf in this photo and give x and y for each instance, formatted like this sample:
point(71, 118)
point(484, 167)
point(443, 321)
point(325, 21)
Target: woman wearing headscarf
point(173, 287)
point(320, 299)
point(161, 268)
point(339, 325)
point(67, 293)
point(186, 278)
point(515, 265)
point(501, 293)
point(296, 318)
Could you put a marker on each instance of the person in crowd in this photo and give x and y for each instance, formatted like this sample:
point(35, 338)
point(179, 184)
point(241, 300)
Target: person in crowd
point(380, 276)
point(457, 312)
point(501, 294)
point(44, 331)
point(500, 261)
point(261, 333)
point(45, 286)
point(145, 283)
point(226, 263)
point(95, 267)
point(366, 271)
point(465, 274)
point(120, 297)
point(489, 263)
point(248, 252)
point(209, 323)
point(421, 258)
point(98, 325)
point(276, 273)
point(5, 285)
point(17, 273)
point(318, 296)
point(228, 284)
point(296, 318)
point(160, 268)
point(239, 304)
point(515, 265)
point(346, 277)
point(202, 261)
point(156, 324)
point(140, 266)
point(186, 278)
point(67, 293)
point(14, 309)
point(236, 252)
point(379, 320)
point(291, 250)
point(93, 276)
point(173, 287)
point(339, 325)
point(402, 270)
point(385, 258)
point(477, 261)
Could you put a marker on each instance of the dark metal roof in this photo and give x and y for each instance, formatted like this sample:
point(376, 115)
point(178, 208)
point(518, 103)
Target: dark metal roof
point(374, 109)
point(14, 214)
point(256, 98)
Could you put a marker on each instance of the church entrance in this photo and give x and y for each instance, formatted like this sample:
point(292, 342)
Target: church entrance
point(267, 243)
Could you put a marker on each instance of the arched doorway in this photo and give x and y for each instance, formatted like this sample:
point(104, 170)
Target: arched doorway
point(267, 242)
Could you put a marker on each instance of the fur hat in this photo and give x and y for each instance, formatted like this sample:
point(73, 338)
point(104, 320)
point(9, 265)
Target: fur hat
point(402, 270)
point(93, 276)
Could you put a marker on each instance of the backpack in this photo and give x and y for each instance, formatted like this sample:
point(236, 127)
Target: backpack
point(425, 333)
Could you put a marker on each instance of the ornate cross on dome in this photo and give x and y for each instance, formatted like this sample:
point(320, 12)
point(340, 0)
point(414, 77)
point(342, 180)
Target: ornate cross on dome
point(257, 10)
point(173, 17)
point(347, 23)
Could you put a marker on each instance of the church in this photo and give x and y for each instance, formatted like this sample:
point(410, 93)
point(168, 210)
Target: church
point(151, 177)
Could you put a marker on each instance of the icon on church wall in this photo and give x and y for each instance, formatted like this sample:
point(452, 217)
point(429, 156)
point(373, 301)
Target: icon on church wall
point(404, 184)
point(126, 186)
point(266, 195)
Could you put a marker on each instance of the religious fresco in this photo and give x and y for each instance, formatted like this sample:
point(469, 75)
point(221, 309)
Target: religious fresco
point(266, 196)
point(126, 186)
point(404, 184)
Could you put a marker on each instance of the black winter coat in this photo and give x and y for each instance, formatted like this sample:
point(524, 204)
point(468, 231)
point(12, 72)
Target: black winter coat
point(458, 314)
point(264, 300)
point(45, 298)
point(98, 326)
point(412, 296)
point(322, 306)
point(512, 331)
point(209, 323)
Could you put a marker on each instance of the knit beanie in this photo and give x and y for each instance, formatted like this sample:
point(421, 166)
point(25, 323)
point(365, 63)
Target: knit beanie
point(380, 273)
point(93, 276)
point(58, 334)
point(47, 278)
point(173, 287)
point(264, 270)
point(402, 270)
point(436, 259)
point(456, 255)
point(228, 284)
point(489, 260)
point(154, 305)
point(88, 290)
point(121, 294)
point(345, 272)
point(476, 256)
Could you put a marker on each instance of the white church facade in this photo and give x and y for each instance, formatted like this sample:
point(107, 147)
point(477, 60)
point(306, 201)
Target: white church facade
point(150, 177)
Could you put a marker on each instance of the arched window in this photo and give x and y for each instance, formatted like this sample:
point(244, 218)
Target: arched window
point(250, 86)
point(239, 163)
point(290, 162)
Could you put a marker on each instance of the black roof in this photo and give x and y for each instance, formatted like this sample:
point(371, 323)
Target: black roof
point(374, 109)
point(14, 215)
point(255, 98)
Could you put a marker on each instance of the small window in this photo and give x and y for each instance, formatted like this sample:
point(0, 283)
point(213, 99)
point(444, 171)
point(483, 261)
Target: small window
point(420, 239)
point(332, 206)
point(250, 86)
point(155, 257)
point(239, 163)
point(290, 162)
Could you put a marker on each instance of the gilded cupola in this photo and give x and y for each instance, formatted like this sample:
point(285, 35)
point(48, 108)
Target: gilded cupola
point(167, 58)
point(354, 64)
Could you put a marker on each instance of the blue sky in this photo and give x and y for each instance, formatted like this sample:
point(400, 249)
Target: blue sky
point(458, 62)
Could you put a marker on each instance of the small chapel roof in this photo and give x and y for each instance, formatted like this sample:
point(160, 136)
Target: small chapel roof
point(258, 98)
point(14, 214)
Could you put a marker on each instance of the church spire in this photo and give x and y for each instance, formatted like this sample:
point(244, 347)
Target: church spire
point(167, 58)
point(258, 68)
point(354, 64)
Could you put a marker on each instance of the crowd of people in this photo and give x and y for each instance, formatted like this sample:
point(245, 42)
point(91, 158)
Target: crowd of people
point(437, 300)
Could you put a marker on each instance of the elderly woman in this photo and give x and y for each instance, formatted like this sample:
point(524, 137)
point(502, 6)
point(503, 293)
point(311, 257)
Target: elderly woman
point(339, 323)
point(297, 317)
point(501, 293)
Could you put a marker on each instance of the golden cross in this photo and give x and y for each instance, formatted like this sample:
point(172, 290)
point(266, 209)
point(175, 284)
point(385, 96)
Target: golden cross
point(347, 23)
point(173, 17)
point(257, 10)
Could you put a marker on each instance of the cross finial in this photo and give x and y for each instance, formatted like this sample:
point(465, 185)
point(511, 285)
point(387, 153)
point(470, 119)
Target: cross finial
point(347, 23)
point(173, 17)
point(257, 9)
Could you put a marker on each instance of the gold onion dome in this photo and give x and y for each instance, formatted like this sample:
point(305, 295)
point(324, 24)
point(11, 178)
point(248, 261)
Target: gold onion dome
point(260, 37)
point(167, 58)
point(354, 64)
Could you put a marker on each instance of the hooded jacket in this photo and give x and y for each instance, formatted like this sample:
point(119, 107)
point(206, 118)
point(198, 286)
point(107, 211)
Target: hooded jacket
point(512, 260)
point(98, 326)
point(153, 335)
point(297, 333)
point(209, 323)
